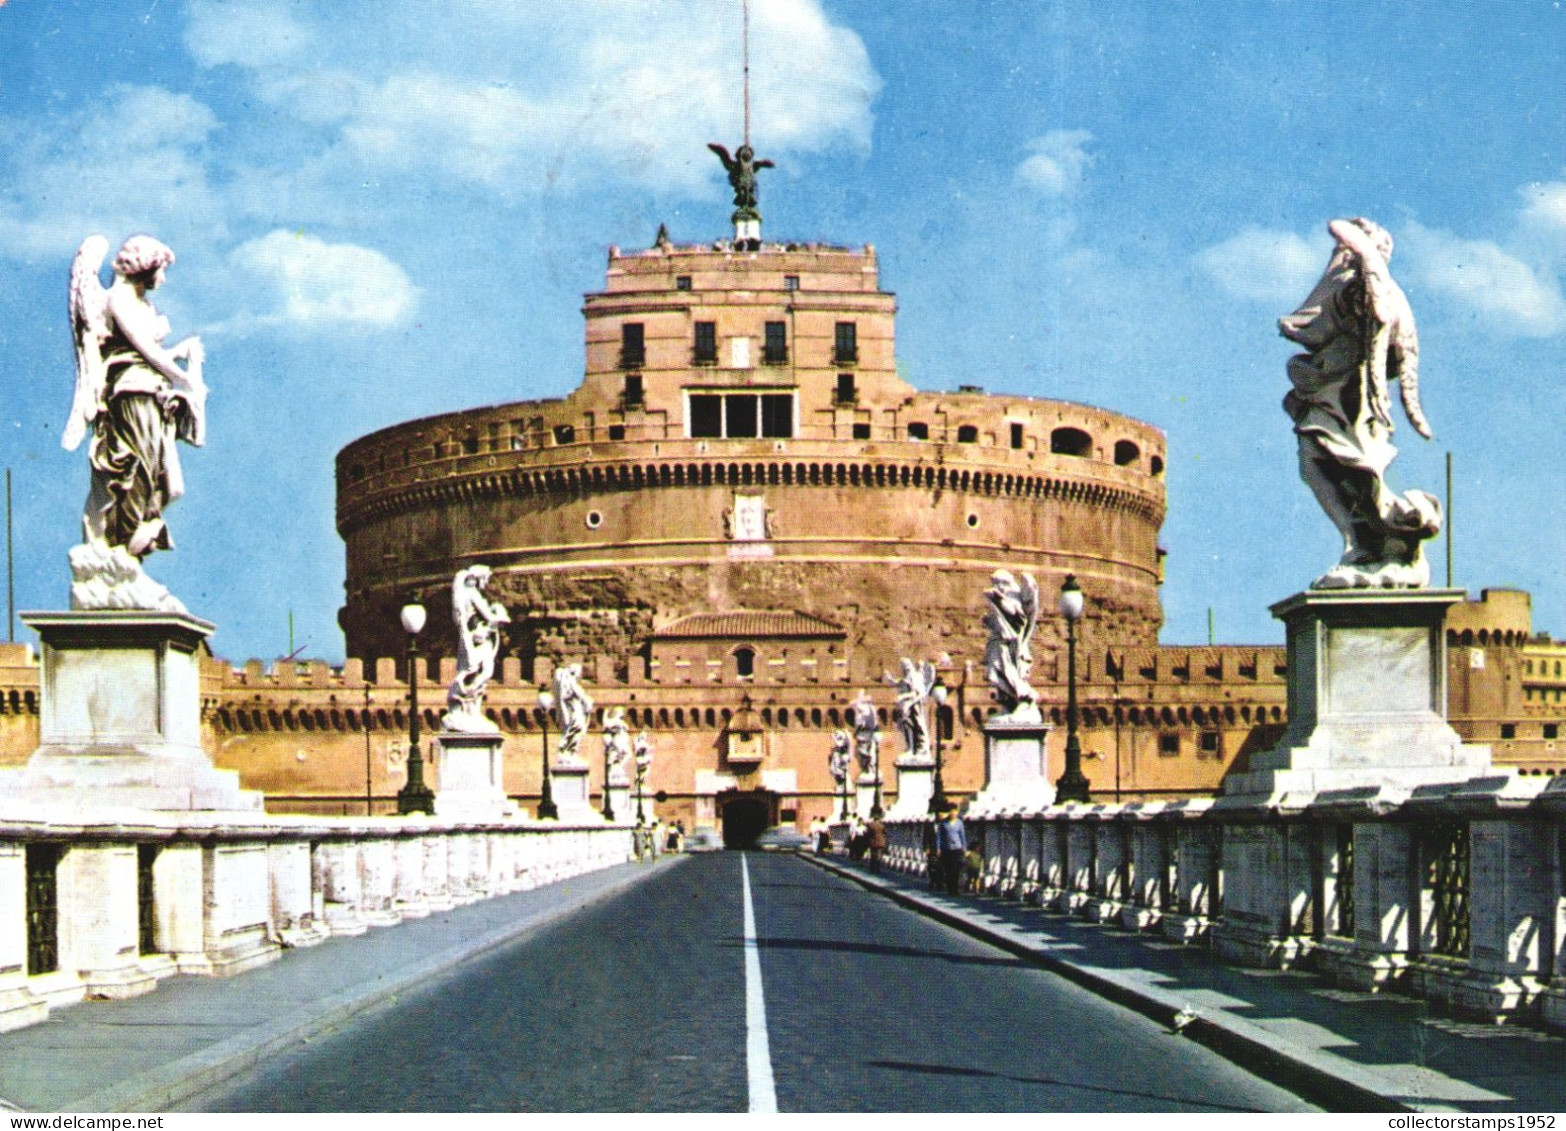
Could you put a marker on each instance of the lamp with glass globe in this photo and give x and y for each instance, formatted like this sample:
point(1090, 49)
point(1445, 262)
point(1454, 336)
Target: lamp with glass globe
point(414, 796)
point(1073, 785)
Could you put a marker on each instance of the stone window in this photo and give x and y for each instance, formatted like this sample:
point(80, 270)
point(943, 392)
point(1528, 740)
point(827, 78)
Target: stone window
point(1156, 465)
point(847, 392)
point(633, 345)
point(1169, 745)
point(745, 663)
point(1552, 731)
point(706, 352)
point(1508, 730)
point(565, 434)
point(918, 430)
point(738, 416)
point(861, 431)
point(774, 349)
point(635, 393)
point(1126, 453)
point(791, 282)
point(682, 282)
point(1210, 744)
point(1070, 442)
point(845, 349)
point(1016, 435)
point(706, 416)
point(617, 431)
point(968, 434)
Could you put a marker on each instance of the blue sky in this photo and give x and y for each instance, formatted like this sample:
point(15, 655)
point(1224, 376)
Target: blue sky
point(383, 211)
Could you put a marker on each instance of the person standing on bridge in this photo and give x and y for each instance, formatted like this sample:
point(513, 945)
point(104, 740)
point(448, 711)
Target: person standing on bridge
point(875, 842)
point(951, 846)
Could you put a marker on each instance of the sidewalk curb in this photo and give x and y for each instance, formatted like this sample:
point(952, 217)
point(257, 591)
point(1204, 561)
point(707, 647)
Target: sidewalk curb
point(1320, 1077)
point(161, 1088)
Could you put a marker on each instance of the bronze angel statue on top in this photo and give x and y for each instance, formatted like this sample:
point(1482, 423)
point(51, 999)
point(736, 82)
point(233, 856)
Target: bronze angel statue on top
point(133, 402)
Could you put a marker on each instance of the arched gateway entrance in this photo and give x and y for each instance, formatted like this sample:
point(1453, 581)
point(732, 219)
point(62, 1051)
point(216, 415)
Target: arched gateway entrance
point(744, 816)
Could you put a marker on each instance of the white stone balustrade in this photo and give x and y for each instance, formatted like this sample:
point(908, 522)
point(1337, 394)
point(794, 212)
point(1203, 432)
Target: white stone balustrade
point(138, 896)
point(1453, 892)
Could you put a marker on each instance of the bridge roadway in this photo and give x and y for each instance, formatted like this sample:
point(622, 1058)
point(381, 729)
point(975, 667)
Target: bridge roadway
point(645, 1003)
point(643, 987)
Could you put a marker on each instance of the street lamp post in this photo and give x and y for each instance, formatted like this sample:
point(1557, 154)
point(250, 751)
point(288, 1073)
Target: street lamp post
point(608, 801)
point(414, 796)
point(1073, 785)
point(938, 794)
point(547, 810)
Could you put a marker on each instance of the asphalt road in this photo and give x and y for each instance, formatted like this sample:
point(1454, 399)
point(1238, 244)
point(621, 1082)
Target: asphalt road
point(640, 1004)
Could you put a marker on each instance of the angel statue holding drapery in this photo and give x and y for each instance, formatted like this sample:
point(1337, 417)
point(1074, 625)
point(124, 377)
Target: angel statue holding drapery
point(1358, 331)
point(867, 734)
point(133, 401)
point(1011, 619)
point(910, 710)
point(478, 623)
point(842, 753)
point(617, 744)
point(572, 707)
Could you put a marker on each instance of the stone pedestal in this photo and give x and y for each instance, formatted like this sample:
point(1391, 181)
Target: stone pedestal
point(570, 792)
point(865, 790)
point(1367, 697)
point(621, 801)
point(1015, 766)
point(120, 716)
point(915, 787)
point(471, 782)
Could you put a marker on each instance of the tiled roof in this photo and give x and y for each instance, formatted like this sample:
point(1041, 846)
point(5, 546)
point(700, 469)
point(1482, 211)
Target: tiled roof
point(730, 625)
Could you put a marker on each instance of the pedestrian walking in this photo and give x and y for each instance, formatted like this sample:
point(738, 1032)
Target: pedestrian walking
point(875, 842)
point(951, 843)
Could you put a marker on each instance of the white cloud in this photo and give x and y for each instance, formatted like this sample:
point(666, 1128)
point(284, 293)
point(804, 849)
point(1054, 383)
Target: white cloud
point(528, 97)
point(1505, 294)
point(1264, 265)
point(133, 162)
point(301, 281)
point(252, 33)
point(1058, 164)
point(1546, 205)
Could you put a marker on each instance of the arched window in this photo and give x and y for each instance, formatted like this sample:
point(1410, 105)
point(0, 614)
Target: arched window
point(1126, 453)
point(967, 434)
point(1070, 442)
point(745, 663)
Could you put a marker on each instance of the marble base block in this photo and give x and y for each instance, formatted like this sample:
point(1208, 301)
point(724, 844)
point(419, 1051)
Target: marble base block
point(866, 790)
point(569, 784)
point(471, 782)
point(120, 716)
point(915, 787)
point(1367, 697)
point(1015, 766)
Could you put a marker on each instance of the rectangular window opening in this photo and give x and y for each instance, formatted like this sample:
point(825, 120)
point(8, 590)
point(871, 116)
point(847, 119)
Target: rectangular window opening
point(706, 417)
point(706, 343)
point(777, 416)
point(739, 416)
point(774, 350)
point(846, 343)
point(633, 345)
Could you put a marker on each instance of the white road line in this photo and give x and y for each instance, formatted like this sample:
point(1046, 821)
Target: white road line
point(758, 1053)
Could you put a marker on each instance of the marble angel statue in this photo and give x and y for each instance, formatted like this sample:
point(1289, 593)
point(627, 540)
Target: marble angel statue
point(867, 734)
point(617, 744)
point(910, 710)
point(133, 402)
point(478, 623)
point(572, 708)
point(1011, 619)
point(1358, 332)
point(842, 753)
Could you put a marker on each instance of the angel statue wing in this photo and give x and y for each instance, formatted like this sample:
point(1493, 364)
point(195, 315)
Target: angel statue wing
point(89, 304)
point(1028, 598)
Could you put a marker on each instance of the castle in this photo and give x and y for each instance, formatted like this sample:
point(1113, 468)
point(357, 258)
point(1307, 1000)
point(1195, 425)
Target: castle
point(741, 520)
